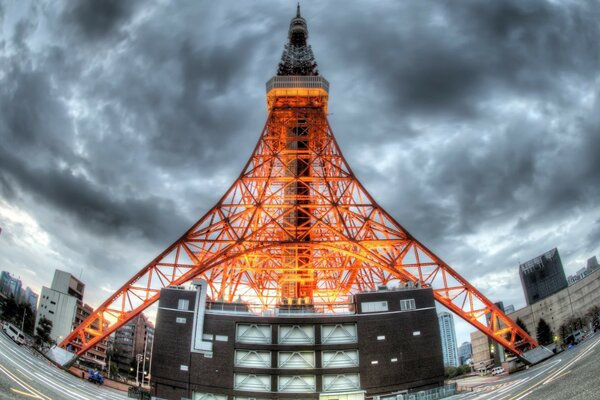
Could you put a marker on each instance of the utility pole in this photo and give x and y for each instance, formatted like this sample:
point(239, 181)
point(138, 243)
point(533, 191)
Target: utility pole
point(144, 361)
point(150, 366)
point(23, 321)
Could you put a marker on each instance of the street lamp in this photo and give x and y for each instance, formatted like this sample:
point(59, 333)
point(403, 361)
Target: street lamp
point(137, 373)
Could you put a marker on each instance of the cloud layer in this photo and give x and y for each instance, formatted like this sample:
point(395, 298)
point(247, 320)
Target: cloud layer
point(475, 125)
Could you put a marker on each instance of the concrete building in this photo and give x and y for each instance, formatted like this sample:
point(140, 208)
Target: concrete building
point(448, 337)
point(482, 357)
point(59, 302)
point(59, 308)
point(62, 303)
point(591, 266)
point(574, 300)
point(135, 337)
point(66, 283)
point(388, 345)
point(542, 276)
point(464, 353)
point(97, 354)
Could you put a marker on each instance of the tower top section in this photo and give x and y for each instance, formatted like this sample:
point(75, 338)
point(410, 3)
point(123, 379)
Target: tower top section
point(297, 58)
point(297, 83)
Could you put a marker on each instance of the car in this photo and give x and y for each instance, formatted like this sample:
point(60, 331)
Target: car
point(596, 324)
point(14, 333)
point(95, 377)
point(497, 371)
point(574, 338)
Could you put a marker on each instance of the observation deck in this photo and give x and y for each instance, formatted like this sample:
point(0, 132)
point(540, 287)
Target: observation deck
point(297, 91)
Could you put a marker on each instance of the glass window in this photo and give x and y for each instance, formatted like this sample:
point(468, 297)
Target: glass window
point(374, 306)
point(408, 304)
point(183, 304)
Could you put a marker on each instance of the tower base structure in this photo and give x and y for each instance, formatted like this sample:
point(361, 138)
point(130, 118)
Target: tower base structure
point(386, 345)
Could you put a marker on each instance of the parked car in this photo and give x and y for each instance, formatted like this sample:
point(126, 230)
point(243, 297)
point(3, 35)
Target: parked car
point(574, 338)
point(497, 371)
point(95, 377)
point(596, 324)
point(14, 333)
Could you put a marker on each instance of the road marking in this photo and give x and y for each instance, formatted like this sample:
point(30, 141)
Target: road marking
point(559, 371)
point(583, 354)
point(24, 385)
point(25, 394)
point(520, 382)
point(57, 386)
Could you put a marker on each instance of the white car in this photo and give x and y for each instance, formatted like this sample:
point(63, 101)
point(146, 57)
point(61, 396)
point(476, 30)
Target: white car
point(14, 333)
point(497, 371)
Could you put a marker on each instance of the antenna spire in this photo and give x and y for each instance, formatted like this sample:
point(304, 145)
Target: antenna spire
point(297, 58)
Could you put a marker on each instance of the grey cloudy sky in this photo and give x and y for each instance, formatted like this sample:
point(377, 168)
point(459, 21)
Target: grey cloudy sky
point(475, 124)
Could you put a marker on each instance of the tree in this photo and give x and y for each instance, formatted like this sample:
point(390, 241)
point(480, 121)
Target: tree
point(544, 333)
point(522, 325)
point(19, 313)
point(593, 312)
point(43, 332)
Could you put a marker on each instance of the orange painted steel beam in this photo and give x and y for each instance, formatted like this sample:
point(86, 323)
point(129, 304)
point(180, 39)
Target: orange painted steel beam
point(297, 225)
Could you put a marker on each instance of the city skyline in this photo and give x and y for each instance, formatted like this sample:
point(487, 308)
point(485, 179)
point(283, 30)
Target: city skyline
point(121, 128)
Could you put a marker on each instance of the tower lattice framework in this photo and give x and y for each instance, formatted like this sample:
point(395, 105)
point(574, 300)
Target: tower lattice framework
point(297, 228)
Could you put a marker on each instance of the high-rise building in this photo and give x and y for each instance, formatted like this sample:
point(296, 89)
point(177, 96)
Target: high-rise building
point(133, 339)
point(464, 352)
point(31, 298)
point(542, 276)
point(509, 309)
point(448, 337)
point(10, 286)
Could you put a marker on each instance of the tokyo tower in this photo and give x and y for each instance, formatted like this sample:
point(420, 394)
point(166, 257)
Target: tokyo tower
point(297, 228)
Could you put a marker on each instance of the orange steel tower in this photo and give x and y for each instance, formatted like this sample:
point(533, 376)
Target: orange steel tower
point(297, 228)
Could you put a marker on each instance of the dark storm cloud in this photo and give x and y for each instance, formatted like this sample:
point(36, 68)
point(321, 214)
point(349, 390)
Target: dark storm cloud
point(36, 157)
point(467, 121)
point(95, 20)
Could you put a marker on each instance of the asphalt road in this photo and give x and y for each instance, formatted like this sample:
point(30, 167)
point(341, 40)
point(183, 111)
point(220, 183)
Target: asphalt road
point(26, 375)
point(571, 375)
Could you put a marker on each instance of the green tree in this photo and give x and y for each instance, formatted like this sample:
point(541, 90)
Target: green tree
point(19, 314)
point(563, 332)
point(593, 312)
point(522, 325)
point(42, 331)
point(544, 333)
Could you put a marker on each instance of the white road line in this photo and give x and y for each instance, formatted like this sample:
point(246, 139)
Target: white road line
point(583, 354)
point(23, 384)
point(521, 382)
point(61, 388)
point(38, 369)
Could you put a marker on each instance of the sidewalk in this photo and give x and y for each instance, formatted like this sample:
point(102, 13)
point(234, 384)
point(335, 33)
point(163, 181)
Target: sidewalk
point(467, 384)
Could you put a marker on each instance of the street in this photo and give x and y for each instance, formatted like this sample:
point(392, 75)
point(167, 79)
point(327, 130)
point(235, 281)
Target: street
point(25, 375)
point(572, 375)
